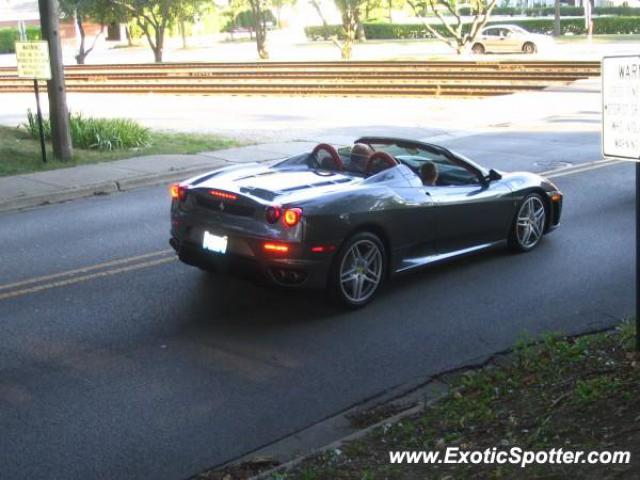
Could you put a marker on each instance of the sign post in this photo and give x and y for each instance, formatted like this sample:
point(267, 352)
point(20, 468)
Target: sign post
point(621, 131)
point(33, 63)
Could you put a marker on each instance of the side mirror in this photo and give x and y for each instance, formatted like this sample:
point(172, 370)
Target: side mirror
point(493, 175)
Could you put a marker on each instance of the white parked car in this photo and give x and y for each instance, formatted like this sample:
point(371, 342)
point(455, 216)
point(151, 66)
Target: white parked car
point(509, 38)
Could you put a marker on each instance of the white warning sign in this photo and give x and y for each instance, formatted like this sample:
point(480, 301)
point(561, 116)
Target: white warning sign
point(621, 107)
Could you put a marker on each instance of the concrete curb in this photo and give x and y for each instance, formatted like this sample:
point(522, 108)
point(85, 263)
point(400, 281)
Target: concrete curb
point(29, 201)
point(104, 188)
point(444, 379)
point(495, 360)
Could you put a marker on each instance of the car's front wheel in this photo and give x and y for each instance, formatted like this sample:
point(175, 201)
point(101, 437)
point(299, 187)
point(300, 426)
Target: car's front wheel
point(358, 270)
point(529, 48)
point(529, 224)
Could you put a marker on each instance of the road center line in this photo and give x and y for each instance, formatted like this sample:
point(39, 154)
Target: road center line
point(84, 278)
point(584, 167)
point(89, 268)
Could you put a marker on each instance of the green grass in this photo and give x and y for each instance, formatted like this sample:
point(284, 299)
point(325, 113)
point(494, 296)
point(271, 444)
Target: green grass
point(575, 393)
point(20, 153)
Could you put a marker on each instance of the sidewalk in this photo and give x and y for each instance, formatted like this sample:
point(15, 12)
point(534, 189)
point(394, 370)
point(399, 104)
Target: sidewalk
point(53, 186)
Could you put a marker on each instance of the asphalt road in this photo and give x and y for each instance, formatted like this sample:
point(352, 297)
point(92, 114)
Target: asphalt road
point(151, 369)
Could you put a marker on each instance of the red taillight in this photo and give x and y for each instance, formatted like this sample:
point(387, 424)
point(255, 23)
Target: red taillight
point(178, 192)
point(291, 216)
point(323, 248)
point(273, 214)
point(224, 195)
point(276, 247)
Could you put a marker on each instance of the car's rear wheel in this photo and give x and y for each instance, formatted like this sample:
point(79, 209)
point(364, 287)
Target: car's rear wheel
point(478, 49)
point(358, 270)
point(529, 48)
point(529, 224)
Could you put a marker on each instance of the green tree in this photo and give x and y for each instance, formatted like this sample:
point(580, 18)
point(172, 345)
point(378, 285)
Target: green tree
point(102, 12)
point(261, 16)
point(351, 12)
point(154, 17)
point(459, 35)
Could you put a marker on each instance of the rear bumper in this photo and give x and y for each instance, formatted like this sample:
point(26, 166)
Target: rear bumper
point(259, 267)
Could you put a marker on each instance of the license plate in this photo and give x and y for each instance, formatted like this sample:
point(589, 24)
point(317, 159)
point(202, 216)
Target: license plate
point(214, 243)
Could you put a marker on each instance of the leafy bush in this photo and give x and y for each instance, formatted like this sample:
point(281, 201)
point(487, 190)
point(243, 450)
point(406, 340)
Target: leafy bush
point(376, 31)
point(565, 11)
point(601, 25)
point(9, 36)
point(97, 133)
point(385, 31)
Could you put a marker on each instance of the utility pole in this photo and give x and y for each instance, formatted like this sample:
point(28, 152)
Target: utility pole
point(58, 113)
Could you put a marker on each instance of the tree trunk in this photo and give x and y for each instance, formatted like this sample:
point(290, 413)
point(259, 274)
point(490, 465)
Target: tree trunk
point(350, 26)
point(80, 57)
point(159, 47)
point(346, 50)
point(183, 33)
point(360, 35)
point(556, 23)
point(261, 29)
point(127, 32)
point(261, 43)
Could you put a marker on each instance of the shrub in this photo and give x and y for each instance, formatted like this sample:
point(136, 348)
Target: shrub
point(601, 25)
point(9, 36)
point(385, 31)
point(97, 133)
point(565, 11)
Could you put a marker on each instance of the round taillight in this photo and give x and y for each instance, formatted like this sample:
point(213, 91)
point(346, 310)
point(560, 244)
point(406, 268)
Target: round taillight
point(178, 192)
point(291, 216)
point(273, 214)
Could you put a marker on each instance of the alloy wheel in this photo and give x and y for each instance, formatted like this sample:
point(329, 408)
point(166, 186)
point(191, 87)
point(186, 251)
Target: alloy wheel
point(361, 271)
point(531, 221)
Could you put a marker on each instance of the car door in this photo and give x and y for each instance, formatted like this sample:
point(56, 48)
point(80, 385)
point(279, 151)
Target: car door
point(470, 210)
point(491, 39)
point(470, 215)
point(512, 40)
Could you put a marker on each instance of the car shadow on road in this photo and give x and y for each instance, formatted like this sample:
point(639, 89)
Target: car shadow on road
point(230, 303)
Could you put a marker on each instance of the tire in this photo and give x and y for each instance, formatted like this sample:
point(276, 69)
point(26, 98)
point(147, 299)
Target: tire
point(478, 48)
point(529, 48)
point(529, 224)
point(358, 270)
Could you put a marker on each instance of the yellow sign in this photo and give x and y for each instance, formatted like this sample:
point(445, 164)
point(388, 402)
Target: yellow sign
point(33, 60)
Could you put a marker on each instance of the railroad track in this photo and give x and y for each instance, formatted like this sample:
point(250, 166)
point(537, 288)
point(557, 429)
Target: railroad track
point(365, 78)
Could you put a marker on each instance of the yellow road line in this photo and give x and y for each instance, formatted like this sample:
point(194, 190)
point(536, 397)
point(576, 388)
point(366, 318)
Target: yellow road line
point(90, 268)
point(84, 278)
point(584, 167)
